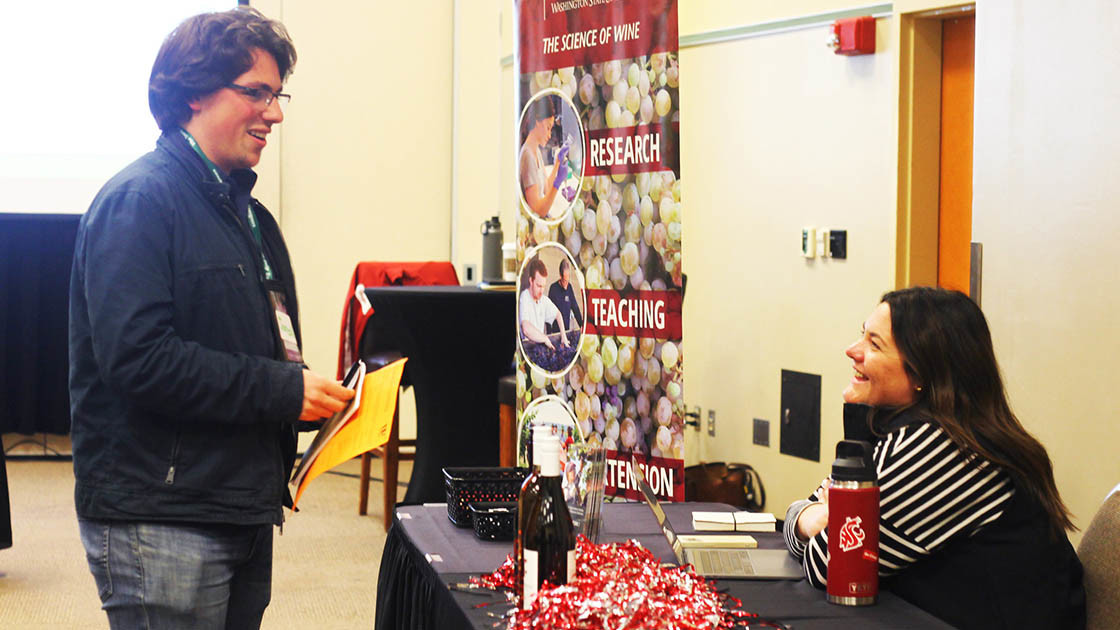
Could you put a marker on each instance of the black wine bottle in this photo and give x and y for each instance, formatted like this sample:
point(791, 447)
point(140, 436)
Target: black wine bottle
point(526, 502)
point(548, 541)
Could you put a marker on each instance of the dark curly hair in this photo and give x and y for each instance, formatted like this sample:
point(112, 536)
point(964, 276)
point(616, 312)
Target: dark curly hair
point(208, 51)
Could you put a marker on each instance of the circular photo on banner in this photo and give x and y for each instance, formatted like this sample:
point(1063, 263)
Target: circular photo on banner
point(549, 156)
point(551, 309)
point(552, 412)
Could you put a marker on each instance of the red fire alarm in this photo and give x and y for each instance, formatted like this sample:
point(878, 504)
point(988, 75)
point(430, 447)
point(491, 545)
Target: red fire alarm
point(854, 36)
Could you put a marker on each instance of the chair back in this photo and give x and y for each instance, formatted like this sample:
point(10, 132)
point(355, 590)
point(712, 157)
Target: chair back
point(380, 274)
point(1100, 555)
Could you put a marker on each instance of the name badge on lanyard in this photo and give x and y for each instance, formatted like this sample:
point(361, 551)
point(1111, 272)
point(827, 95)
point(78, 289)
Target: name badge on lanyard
point(285, 326)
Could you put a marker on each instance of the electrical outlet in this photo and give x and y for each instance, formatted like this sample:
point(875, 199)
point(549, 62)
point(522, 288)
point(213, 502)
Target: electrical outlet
point(761, 432)
point(712, 422)
point(469, 273)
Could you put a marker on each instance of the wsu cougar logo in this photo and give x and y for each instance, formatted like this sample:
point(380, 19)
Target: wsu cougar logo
point(851, 534)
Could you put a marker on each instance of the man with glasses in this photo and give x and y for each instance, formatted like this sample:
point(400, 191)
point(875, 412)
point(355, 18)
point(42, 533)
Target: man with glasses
point(187, 380)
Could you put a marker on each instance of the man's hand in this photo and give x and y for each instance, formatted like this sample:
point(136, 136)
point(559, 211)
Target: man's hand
point(322, 397)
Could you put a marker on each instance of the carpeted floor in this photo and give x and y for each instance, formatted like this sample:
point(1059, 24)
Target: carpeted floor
point(325, 564)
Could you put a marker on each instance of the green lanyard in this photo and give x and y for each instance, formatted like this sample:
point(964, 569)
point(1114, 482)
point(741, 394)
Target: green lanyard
point(251, 216)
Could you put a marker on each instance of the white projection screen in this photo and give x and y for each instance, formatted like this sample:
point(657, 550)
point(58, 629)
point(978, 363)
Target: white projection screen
point(74, 101)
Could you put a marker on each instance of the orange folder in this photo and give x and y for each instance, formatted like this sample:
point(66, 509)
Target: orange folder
point(368, 429)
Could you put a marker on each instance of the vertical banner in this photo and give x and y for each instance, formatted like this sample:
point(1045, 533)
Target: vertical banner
point(599, 231)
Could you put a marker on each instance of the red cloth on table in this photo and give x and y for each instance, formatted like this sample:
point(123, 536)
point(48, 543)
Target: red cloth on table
point(380, 274)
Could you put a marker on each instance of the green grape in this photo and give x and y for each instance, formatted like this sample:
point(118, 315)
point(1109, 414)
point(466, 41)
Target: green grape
point(626, 359)
point(582, 406)
point(614, 231)
point(589, 346)
point(595, 368)
point(543, 78)
point(646, 346)
point(599, 244)
point(630, 198)
point(593, 276)
point(568, 224)
point(586, 254)
point(664, 439)
point(674, 232)
point(632, 74)
point(627, 119)
point(612, 71)
point(673, 391)
point(657, 62)
point(663, 102)
point(618, 94)
point(645, 210)
point(608, 352)
point(644, 81)
point(612, 375)
point(677, 191)
point(602, 186)
point(539, 377)
point(645, 109)
point(588, 225)
point(614, 113)
point(669, 355)
point(566, 74)
point(541, 232)
point(556, 82)
point(655, 185)
point(633, 229)
point(603, 214)
point(633, 100)
point(672, 76)
point(628, 258)
point(653, 371)
point(642, 181)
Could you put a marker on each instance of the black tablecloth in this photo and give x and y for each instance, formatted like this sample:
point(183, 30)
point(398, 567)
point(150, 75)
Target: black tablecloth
point(424, 553)
point(459, 341)
point(36, 251)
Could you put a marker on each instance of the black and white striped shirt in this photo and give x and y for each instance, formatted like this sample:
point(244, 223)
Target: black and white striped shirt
point(930, 495)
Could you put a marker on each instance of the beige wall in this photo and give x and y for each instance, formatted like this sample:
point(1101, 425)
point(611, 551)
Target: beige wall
point(777, 133)
point(1045, 208)
point(365, 162)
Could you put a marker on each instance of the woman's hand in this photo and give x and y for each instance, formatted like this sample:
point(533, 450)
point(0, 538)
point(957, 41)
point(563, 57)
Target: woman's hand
point(812, 520)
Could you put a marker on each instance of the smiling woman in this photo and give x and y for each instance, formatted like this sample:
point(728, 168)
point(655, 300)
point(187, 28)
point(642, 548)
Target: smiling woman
point(76, 114)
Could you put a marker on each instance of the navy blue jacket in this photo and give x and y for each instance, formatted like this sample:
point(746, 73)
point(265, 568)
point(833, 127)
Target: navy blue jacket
point(182, 406)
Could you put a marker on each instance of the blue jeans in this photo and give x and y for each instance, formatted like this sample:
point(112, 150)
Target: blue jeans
point(176, 575)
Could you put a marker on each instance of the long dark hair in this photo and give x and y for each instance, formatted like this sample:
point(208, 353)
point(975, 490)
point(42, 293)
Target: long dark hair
point(947, 350)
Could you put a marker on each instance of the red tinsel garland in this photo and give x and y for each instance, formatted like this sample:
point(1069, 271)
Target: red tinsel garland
point(621, 586)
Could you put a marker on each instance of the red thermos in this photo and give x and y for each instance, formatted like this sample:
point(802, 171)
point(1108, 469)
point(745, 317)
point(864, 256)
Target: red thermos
point(853, 526)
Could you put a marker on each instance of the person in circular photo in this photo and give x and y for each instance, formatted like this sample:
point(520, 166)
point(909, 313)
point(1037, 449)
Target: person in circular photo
point(550, 309)
point(550, 160)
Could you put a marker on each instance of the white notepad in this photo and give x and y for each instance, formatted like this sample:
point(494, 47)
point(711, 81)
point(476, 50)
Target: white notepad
point(733, 521)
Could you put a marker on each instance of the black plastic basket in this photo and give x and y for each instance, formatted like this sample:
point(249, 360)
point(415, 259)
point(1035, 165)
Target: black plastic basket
point(479, 485)
point(495, 521)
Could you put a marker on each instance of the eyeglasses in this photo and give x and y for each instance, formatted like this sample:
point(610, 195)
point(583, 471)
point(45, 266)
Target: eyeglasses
point(262, 97)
